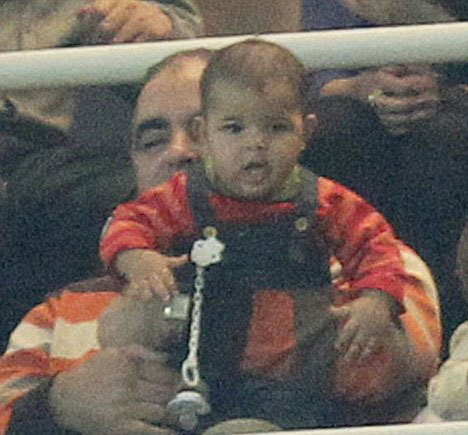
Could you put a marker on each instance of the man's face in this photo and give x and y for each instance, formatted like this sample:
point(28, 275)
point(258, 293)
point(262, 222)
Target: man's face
point(164, 110)
point(250, 139)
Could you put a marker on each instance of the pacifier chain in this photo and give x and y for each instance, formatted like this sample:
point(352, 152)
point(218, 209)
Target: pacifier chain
point(189, 403)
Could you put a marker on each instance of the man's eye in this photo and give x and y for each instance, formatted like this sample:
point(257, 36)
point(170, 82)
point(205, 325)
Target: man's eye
point(233, 128)
point(152, 144)
point(150, 140)
point(146, 145)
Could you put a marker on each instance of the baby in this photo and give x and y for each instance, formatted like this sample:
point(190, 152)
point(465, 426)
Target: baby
point(273, 328)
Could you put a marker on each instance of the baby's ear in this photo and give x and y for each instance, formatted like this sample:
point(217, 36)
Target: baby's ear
point(310, 126)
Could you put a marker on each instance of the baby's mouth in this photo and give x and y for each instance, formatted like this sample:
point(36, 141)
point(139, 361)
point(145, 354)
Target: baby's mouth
point(256, 170)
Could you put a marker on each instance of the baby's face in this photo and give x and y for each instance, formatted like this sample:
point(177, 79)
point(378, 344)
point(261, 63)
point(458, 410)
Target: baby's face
point(252, 140)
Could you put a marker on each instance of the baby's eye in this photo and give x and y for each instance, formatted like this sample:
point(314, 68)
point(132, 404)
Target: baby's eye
point(280, 127)
point(233, 128)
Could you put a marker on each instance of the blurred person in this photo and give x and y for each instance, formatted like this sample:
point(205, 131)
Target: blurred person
point(448, 390)
point(397, 135)
point(161, 142)
point(64, 153)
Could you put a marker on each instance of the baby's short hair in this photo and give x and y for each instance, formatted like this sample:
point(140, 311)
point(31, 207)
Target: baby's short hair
point(254, 63)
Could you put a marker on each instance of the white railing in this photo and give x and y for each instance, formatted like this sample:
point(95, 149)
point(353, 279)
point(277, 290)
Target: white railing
point(453, 428)
point(112, 64)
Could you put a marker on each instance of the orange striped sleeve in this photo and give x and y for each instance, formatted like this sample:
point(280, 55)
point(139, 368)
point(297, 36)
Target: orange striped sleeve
point(361, 239)
point(421, 319)
point(368, 255)
point(52, 338)
point(422, 328)
point(77, 307)
point(20, 372)
point(150, 222)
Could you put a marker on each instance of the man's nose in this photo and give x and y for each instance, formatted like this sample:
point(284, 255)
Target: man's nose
point(181, 148)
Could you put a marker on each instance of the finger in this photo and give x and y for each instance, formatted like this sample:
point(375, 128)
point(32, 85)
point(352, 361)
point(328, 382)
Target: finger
point(147, 411)
point(152, 366)
point(107, 6)
point(142, 290)
point(97, 10)
point(169, 280)
point(405, 120)
point(162, 385)
point(131, 290)
point(353, 353)
point(132, 29)
point(160, 372)
point(137, 352)
point(422, 82)
point(396, 70)
point(158, 286)
point(368, 350)
point(117, 16)
point(341, 313)
point(146, 22)
point(89, 12)
point(346, 336)
point(391, 84)
point(143, 37)
point(95, 17)
point(154, 392)
point(385, 104)
point(179, 261)
point(89, 28)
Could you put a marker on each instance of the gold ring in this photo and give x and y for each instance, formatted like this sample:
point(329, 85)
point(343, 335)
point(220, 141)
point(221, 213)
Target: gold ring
point(373, 96)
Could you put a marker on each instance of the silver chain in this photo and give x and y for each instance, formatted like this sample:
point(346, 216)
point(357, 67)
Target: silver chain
point(190, 369)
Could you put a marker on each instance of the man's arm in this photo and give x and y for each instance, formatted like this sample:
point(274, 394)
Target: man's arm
point(60, 24)
point(25, 374)
point(55, 378)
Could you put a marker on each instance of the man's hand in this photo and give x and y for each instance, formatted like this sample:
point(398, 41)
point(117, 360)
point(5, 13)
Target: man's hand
point(120, 391)
point(119, 21)
point(402, 96)
point(149, 273)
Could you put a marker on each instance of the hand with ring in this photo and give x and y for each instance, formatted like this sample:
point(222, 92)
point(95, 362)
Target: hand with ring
point(403, 97)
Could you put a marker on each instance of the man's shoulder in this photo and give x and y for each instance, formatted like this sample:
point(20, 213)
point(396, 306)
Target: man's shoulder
point(84, 299)
point(101, 284)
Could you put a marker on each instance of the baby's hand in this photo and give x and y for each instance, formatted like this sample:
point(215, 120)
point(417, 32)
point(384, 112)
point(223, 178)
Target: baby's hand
point(149, 273)
point(367, 322)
